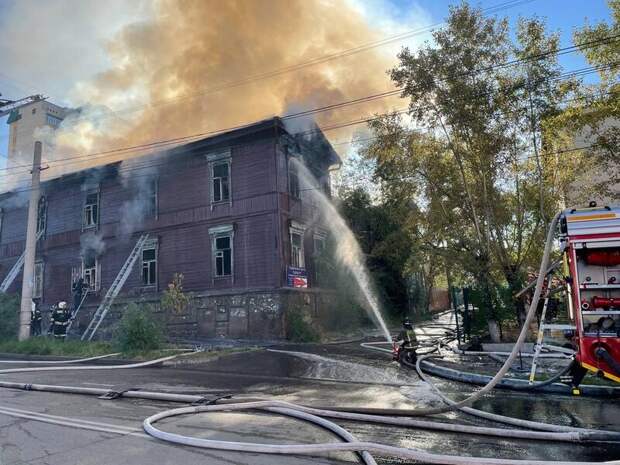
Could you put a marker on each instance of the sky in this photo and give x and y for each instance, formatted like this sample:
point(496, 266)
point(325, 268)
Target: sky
point(54, 60)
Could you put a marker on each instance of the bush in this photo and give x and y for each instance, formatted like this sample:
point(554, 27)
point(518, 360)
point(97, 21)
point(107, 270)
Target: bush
point(9, 316)
point(137, 331)
point(298, 329)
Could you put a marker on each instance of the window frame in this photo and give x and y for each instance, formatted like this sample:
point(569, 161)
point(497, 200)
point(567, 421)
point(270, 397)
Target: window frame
point(53, 120)
point(294, 188)
point(297, 259)
point(221, 232)
point(88, 206)
point(153, 198)
point(97, 271)
point(214, 159)
point(152, 244)
point(219, 180)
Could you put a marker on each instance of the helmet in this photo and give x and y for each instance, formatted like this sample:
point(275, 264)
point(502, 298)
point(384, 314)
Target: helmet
point(62, 305)
point(407, 324)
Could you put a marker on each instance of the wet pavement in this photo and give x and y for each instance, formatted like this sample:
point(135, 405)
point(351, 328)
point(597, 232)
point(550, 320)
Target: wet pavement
point(322, 375)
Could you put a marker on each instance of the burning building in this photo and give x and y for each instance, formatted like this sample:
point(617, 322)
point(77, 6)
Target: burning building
point(227, 212)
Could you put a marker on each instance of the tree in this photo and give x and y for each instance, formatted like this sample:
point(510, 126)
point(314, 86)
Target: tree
point(385, 241)
point(477, 165)
point(595, 116)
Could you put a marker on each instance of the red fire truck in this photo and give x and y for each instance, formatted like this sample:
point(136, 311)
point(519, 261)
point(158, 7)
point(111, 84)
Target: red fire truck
point(591, 243)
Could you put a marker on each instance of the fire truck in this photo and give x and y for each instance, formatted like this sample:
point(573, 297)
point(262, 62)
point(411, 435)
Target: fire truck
point(590, 240)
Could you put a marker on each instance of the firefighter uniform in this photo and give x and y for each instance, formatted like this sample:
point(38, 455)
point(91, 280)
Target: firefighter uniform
point(60, 321)
point(36, 318)
point(410, 341)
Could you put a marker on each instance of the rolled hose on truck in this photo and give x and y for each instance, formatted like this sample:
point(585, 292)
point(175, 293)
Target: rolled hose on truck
point(314, 415)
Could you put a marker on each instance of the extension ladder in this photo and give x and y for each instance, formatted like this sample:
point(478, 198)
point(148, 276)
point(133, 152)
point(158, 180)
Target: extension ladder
point(539, 338)
point(8, 280)
point(114, 289)
point(77, 310)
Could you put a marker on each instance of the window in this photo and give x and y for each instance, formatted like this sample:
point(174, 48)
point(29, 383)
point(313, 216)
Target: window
point(37, 288)
point(293, 183)
point(53, 121)
point(41, 215)
point(223, 256)
point(1, 218)
point(297, 248)
point(220, 174)
point(222, 248)
point(149, 264)
point(319, 244)
point(34, 111)
point(91, 210)
point(90, 270)
point(151, 199)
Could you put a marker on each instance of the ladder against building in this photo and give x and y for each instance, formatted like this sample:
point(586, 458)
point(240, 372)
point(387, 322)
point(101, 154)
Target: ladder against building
point(75, 312)
point(14, 271)
point(114, 289)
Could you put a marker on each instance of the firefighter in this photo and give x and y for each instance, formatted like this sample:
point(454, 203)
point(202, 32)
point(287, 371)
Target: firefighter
point(77, 289)
point(408, 343)
point(36, 319)
point(60, 320)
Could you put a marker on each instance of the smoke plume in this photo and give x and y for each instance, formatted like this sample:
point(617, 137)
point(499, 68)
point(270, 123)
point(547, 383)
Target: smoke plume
point(191, 67)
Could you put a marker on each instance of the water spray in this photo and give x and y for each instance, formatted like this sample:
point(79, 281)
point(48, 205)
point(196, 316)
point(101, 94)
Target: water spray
point(348, 251)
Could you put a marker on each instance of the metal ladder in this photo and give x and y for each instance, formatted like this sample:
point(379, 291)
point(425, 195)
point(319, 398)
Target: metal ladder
point(114, 289)
point(77, 310)
point(539, 339)
point(8, 280)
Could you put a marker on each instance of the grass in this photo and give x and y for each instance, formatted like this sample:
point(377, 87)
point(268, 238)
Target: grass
point(49, 346)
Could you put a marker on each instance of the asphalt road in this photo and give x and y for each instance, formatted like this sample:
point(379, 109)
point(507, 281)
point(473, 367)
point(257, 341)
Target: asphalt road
point(316, 374)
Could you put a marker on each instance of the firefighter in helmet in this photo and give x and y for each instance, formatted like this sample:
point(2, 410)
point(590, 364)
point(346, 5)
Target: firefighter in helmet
point(407, 343)
point(60, 320)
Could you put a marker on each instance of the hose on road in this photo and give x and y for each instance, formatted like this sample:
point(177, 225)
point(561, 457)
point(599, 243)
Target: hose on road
point(316, 416)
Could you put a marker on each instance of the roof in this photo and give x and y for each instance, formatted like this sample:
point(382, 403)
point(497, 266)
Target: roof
point(270, 126)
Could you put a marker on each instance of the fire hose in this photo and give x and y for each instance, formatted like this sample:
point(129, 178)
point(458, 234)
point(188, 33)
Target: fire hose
point(315, 415)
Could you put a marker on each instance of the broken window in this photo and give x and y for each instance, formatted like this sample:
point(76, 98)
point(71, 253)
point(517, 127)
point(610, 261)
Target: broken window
point(223, 256)
point(41, 214)
point(151, 199)
point(220, 174)
point(90, 270)
point(293, 183)
point(37, 287)
point(149, 264)
point(91, 210)
point(297, 248)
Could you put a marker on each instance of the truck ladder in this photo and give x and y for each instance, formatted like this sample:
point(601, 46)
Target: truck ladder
point(77, 310)
point(539, 339)
point(114, 289)
point(8, 280)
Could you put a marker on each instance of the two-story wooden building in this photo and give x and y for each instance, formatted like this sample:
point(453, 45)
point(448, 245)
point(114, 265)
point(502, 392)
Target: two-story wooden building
point(226, 211)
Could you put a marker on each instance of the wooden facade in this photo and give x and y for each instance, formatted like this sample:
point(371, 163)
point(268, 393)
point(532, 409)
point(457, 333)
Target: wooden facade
point(184, 210)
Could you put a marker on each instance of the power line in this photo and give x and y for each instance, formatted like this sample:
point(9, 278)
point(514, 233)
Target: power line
point(159, 144)
point(318, 60)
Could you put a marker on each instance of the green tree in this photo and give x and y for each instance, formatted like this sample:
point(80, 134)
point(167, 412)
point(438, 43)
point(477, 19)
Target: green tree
point(478, 167)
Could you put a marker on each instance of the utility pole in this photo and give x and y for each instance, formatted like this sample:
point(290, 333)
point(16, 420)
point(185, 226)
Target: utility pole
point(31, 246)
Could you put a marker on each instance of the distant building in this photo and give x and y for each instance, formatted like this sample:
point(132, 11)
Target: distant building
point(227, 212)
point(24, 124)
